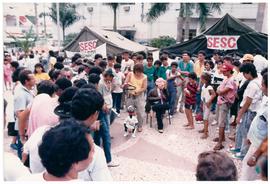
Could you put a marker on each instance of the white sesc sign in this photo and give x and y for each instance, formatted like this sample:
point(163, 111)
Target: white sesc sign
point(88, 46)
point(222, 42)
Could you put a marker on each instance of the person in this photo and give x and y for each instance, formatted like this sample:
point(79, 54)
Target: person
point(31, 63)
point(110, 61)
point(199, 64)
point(131, 122)
point(40, 73)
point(247, 58)
point(226, 95)
point(165, 65)
point(67, 73)
point(65, 150)
point(190, 98)
point(23, 96)
point(257, 134)
point(104, 88)
point(186, 66)
point(79, 83)
point(260, 62)
point(173, 76)
point(117, 87)
point(215, 166)
point(52, 60)
point(7, 74)
point(207, 96)
point(159, 70)
point(149, 70)
point(61, 84)
point(126, 64)
point(97, 59)
point(85, 107)
point(159, 100)
point(35, 117)
point(94, 79)
point(135, 97)
point(139, 59)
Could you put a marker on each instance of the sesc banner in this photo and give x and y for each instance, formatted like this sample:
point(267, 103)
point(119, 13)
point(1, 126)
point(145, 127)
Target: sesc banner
point(88, 46)
point(222, 42)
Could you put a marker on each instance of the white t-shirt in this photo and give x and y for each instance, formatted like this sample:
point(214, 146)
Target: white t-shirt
point(126, 64)
point(39, 177)
point(96, 171)
point(117, 82)
point(253, 91)
point(260, 63)
point(205, 95)
point(131, 122)
point(13, 167)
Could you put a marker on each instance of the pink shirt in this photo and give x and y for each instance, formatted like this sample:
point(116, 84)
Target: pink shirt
point(41, 113)
point(7, 70)
point(229, 97)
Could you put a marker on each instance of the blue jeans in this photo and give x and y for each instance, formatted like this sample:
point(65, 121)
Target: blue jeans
point(104, 134)
point(242, 130)
point(150, 86)
point(117, 98)
point(172, 97)
point(19, 146)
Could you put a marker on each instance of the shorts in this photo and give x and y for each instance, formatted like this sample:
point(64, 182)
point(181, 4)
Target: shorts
point(190, 106)
point(206, 113)
point(222, 112)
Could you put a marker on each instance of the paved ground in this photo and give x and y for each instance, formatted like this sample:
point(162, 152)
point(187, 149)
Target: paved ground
point(151, 156)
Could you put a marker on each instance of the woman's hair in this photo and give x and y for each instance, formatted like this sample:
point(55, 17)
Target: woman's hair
point(212, 65)
point(207, 78)
point(39, 65)
point(249, 68)
point(138, 68)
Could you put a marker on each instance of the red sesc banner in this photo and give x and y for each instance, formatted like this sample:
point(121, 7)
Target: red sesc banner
point(88, 46)
point(222, 42)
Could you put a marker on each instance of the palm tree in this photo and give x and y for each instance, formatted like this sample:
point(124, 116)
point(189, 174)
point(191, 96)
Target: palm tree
point(185, 12)
point(114, 7)
point(68, 15)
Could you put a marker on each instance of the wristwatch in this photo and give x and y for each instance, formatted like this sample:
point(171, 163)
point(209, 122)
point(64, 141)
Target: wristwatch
point(253, 158)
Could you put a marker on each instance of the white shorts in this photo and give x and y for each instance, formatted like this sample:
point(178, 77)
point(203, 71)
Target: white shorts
point(206, 112)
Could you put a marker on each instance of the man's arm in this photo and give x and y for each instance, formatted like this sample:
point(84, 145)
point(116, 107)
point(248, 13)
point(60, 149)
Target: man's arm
point(262, 149)
point(22, 120)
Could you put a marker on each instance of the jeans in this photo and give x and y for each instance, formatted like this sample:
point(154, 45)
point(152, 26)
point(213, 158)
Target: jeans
point(104, 134)
point(242, 130)
point(172, 97)
point(178, 95)
point(117, 98)
point(160, 110)
point(150, 86)
point(19, 146)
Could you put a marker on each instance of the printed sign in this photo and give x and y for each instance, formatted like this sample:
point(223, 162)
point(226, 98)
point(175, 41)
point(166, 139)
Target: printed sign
point(88, 46)
point(222, 42)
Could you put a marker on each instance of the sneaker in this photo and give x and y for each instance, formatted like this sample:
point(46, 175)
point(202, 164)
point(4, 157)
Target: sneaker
point(238, 156)
point(14, 146)
point(112, 164)
point(169, 116)
point(214, 123)
point(126, 134)
point(133, 135)
point(234, 150)
point(181, 110)
point(160, 131)
point(227, 131)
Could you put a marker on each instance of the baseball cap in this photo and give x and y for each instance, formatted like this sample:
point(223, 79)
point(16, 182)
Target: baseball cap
point(227, 67)
point(248, 57)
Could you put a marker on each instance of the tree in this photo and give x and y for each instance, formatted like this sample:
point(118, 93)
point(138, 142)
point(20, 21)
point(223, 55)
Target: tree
point(69, 38)
point(68, 15)
point(26, 41)
point(114, 7)
point(185, 12)
point(162, 41)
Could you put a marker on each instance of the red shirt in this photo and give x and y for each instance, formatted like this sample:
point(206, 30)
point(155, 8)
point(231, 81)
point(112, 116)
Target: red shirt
point(190, 99)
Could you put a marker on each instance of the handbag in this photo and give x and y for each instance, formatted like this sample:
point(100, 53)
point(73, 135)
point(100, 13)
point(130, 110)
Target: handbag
point(11, 129)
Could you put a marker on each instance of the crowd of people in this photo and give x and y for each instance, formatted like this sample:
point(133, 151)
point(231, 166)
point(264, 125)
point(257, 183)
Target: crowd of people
point(58, 103)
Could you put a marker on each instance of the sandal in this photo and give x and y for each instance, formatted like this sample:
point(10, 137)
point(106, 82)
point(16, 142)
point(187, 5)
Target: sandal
point(218, 147)
point(201, 131)
point(216, 139)
point(204, 136)
point(140, 129)
point(186, 125)
point(189, 128)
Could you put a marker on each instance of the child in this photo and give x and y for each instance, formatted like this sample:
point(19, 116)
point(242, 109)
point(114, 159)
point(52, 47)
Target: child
point(207, 96)
point(117, 85)
point(131, 122)
point(190, 98)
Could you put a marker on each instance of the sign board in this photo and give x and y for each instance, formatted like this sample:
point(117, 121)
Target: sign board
point(222, 42)
point(88, 46)
point(98, 50)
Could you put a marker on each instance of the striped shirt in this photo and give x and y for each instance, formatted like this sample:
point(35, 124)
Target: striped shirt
point(190, 99)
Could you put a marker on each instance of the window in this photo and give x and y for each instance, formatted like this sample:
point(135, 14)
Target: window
point(11, 20)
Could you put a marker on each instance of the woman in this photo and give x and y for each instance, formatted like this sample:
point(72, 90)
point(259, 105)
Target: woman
point(159, 99)
point(40, 73)
point(136, 97)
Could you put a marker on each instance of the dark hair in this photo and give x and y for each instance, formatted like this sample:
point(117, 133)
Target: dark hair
point(236, 63)
point(215, 166)
point(75, 57)
point(108, 72)
point(95, 69)
point(206, 77)
point(102, 64)
point(97, 56)
point(265, 70)
point(158, 62)
point(219, 61)
point(140, 57)
point(39, 65)
point(93, 78)
point(63, 83)
point(24, 76)
point(60, 59)
point(58, 66)
point(47, 87)
point(14, 64)
point(64, 145)
point(265, 79)
point(174, 64)
point(138, 68)
point(79, 83)
point(202, 52)
point(228, 58)
point(212, 65)
point(249, 68)
point(150, 58)
point(125, 52)
point(55, 74)
point(119, 58)
point(264, 166)
point(67, 94)
point(116, 65)
point(89, 85)
point(186, 52)
point(80, 69)
point(192, 75)
point(15, 75)
point(85, 103)
point(31, 55)
point(110, 57)
point(51, 53)
point(163, 58)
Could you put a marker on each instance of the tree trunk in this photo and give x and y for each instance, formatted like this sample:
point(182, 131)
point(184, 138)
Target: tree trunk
point(187, 28)
point(63, 28)
point(180, 23)
point(114, 19)
point(260, 16)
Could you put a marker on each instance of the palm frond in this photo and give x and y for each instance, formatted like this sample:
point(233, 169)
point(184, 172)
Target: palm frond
point(156, 10)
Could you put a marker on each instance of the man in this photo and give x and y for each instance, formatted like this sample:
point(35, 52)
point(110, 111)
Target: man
point(98, 58)
point(126, 64)
point(186, 66)
point(23, 96)
point(67, 73)
point(85, 107)
point(111, 61)
point(149, 70)
point(247, 58)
